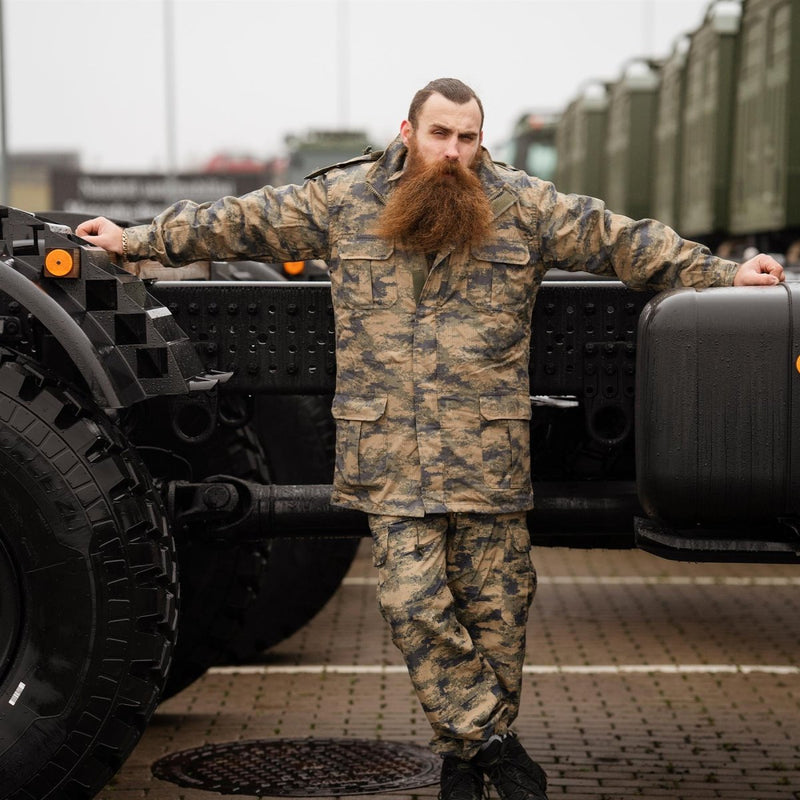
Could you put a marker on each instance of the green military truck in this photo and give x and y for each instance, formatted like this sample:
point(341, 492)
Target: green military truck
point(706, 139)
point(319, 148)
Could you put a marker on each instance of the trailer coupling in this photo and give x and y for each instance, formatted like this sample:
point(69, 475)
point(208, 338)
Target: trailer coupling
point(227, 509)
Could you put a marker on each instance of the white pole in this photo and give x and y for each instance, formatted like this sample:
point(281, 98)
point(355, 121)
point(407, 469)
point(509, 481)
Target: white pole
point(4, 195)
point(344, 62)
point(169, 85)
point(648, 27)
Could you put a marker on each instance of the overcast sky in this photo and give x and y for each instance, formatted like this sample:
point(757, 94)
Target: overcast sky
point(89, 75)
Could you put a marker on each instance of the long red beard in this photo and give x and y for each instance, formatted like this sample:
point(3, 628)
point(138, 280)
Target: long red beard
point(436, 206)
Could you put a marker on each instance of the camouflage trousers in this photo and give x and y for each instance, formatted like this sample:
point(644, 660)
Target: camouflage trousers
point(455, 590)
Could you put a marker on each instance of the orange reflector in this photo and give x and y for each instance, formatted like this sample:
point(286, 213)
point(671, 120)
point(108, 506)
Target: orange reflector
point(294, 267)
point(797, 364)
point(59, 263)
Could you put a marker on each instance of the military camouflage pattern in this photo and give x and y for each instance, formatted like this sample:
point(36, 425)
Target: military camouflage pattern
point(455, 590)
point(432, 397)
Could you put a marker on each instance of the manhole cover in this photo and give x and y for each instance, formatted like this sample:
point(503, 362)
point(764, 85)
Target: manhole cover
point(301, 767)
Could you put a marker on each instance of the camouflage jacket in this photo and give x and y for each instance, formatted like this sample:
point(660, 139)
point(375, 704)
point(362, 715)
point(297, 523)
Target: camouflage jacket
point(432, 396)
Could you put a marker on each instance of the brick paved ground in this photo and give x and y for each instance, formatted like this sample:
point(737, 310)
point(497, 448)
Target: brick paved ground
point(712, 727)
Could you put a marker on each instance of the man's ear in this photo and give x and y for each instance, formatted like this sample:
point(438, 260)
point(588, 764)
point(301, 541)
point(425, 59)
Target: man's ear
point(406, 130)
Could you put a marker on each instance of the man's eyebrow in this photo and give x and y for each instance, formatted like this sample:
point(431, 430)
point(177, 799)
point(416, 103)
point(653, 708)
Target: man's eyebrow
point(441, 126)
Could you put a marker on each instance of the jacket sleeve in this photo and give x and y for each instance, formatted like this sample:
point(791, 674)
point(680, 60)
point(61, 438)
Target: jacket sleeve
point(287, 223)
point(578, 233)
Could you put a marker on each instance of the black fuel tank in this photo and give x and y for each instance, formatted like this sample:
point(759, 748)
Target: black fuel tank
point(718, 405)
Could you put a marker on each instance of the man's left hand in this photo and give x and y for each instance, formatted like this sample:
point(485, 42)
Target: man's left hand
point(761, 270)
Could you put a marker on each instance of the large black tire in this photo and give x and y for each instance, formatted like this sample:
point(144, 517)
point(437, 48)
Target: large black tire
point(88, 592)
point(219, 580)
point(298, 436)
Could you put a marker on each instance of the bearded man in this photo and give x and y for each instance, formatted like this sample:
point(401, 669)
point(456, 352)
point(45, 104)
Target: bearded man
point(436, 254)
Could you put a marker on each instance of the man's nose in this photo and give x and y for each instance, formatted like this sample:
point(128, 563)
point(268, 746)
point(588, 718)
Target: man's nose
point(451, 150)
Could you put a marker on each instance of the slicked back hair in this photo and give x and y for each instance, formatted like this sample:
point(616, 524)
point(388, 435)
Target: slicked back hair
point(451, 89)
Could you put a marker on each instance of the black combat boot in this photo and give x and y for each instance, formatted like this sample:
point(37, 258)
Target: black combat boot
point(461, 780)
point(514, 774)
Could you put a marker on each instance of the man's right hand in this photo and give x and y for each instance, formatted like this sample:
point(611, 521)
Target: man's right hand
point(101, 232)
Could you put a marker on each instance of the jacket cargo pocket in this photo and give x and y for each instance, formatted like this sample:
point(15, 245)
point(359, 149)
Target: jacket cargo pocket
point(360, 439)
point(504, 440)
point(499, 280)
point(367, 276)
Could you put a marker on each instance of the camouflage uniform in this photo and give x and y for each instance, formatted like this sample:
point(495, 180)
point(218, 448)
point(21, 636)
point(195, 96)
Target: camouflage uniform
point(455, 590)
point(432, 398)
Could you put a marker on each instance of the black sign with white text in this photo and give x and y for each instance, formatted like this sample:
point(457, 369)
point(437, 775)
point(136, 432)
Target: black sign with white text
point(139, 197)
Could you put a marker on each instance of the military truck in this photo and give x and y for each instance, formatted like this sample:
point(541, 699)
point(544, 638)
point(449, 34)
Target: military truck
point(532, 145)
point(706, 138)
point(316, 149)
point(148, 483)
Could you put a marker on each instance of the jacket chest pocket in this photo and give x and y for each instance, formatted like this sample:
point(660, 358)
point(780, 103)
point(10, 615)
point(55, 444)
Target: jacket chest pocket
point(499, 277)
point(366, 275)
point(505, 440)
point(360, 439)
